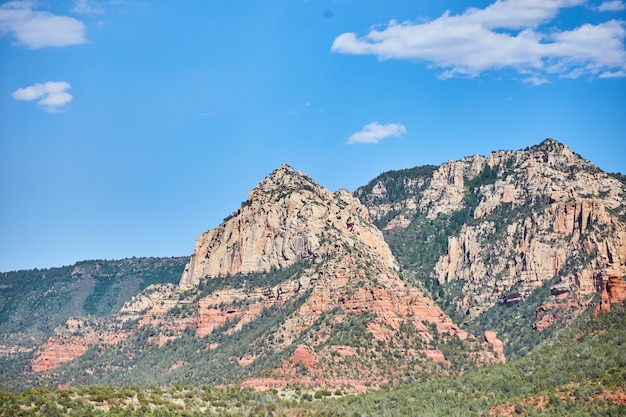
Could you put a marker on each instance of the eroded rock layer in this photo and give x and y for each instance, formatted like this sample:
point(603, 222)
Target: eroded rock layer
point(542, 214)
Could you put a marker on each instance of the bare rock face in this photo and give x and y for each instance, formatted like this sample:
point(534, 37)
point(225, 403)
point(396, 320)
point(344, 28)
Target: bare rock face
point(72, 340)
point(491, 338)
point(568, 229)
point(303, 356)
point(56, 352)
point(287, 218)
point(538, 214)
point(447, 187)
point(613, 291)
point(212, 315)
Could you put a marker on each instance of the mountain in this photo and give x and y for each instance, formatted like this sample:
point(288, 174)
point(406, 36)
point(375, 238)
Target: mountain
point(297, 287)
point(517, 241)
point(427, 271)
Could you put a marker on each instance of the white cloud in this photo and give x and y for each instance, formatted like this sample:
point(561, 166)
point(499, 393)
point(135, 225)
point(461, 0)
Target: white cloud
point(616, 74)
point(375, 132)
point(535, 80)
point(611, 6)
point(87, 7)
point(38, 29)
point(52, 95)
point(502, 35)
point(515, 14)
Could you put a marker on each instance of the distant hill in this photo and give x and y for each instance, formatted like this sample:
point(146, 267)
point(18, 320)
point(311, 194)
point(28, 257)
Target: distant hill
point(34, 302)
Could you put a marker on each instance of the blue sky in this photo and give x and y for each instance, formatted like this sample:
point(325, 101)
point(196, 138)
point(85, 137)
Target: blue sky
point(129, 127)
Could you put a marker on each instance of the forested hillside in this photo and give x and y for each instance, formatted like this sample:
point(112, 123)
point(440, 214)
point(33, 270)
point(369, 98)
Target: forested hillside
point(581, 373)
point(34, 302)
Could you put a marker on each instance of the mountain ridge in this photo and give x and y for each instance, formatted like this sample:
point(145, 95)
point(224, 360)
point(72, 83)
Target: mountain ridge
point(513, 221)
point(323, 297)
point(313, 258)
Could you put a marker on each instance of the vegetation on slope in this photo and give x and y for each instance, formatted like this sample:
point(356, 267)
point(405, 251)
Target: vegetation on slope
point(38, 300)
point(424, 241)
point(34, 302)
point(398, 185)
point(582, 373)
point(169, 352)
point(395, 183)
point(185, 358)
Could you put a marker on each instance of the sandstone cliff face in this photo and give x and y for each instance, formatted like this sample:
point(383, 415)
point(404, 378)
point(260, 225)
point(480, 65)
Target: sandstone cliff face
point(540, 213)
point(287, 218)
point(73, 338)
point(560, 224)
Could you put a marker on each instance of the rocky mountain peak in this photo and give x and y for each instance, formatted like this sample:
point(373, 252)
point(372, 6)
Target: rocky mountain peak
point(550, 145)
point(345, 272)
point(287, 218)
point(283, 179)
point(297, 285)
point(555, 154)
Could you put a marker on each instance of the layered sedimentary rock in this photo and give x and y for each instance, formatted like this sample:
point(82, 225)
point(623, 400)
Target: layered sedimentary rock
point(563, 222)
point(613, 291)
point(539, 214)
point(286, 218)
point(72, 340)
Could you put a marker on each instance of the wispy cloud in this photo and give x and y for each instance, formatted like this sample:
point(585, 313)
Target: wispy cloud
point(87, 7)
point(503, 35)
point(52, 96)
point(611, 6)
point(38, 29)
point(375, 132)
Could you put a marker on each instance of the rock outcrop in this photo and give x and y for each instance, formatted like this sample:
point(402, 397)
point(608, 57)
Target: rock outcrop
point(72, 340)
point(613, 291)
point(287, 218)
point(491, 338)
point(535, 215)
